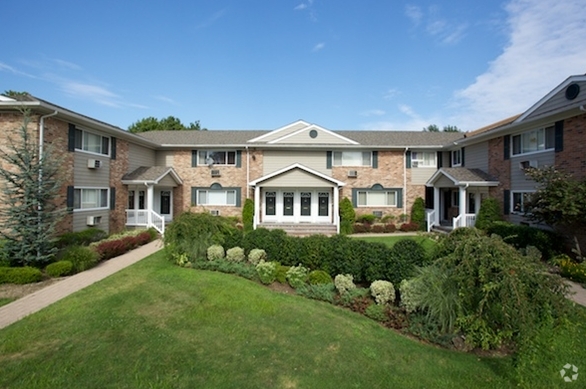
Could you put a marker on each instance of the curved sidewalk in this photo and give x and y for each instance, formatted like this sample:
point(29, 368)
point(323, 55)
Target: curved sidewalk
point(40, 299)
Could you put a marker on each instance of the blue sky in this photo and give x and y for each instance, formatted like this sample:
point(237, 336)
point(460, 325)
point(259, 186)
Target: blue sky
point(262, 64)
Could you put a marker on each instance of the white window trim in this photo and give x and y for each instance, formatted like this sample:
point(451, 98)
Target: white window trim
point(453, 153)
point(205, 162)
point(545, 149)
point(367, 205)
point(107, 206)
point(83, 131)
point(420, 163)
point(225, 191)
point(348, 151)
point(513, 193)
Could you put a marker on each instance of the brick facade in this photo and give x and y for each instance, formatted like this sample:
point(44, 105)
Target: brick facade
point(572, 159)
point(500, 168)
point(119, 167)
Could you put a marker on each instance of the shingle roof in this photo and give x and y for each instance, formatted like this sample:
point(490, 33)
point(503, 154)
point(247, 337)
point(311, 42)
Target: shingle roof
point(462, 174)
point(146, 173)
point(241, 137)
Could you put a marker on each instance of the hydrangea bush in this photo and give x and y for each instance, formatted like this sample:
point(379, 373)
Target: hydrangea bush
point(215, 252)
point(297, 276)
point(267, 272)
point(344, 283)
point(235, 254)
point(257, 255)
point(383, 292)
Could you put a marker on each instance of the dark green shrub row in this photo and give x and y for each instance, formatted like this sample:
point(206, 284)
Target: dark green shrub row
point(20, 275)
point(59, 269)
point(359, 228)
point(81, 257)
point(520, 236)
point(80, 238)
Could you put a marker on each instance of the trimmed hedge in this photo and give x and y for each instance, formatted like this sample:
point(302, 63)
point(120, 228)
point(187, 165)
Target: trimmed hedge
point(81, 238)
point(59, 269)
point(20, 275)
point(81, 257)
point(519, 236)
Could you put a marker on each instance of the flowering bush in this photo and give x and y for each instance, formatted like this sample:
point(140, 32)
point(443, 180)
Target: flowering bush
point(383, 292)
point(344, 283)
point(257, 255)
point(570, 269)
point(297, 276)
point(267, 272)
point(110, 248)
point(215, 252)
point(409, 296)
point(235, 254)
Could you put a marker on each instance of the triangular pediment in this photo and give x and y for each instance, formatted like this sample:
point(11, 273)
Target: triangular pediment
point(460, 176)
point(302, 132)
point(298, 173)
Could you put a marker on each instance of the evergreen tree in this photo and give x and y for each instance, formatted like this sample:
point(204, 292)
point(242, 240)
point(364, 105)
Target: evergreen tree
point(30, 186)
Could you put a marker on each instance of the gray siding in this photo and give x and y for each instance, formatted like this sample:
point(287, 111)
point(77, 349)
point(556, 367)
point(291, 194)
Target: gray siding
point(86, 177)
point(80, 219)
point(140, 156)
point(321, 138)
point(286, 131)
point(275, 160)
point(296, 179)
point(420, 175)
point(167, 181)
point(164, 158)
point(476, 156)
point(520, 181)
point(559, 102)
point(444, 182)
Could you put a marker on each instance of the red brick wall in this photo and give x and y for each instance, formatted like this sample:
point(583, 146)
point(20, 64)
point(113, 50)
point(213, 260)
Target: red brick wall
point(119, 167)
point(499, 168)
point(573, 157)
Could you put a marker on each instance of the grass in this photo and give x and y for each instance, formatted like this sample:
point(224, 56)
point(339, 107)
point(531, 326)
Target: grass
point(4, 301)
point(390, 240)
point(155, 325)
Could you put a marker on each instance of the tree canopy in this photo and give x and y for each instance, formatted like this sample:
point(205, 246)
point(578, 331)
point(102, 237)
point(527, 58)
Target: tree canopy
point(170, 123)
point(435, 128)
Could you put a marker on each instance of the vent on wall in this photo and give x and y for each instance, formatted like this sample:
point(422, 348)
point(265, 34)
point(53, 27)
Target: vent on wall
point(378, 214)
point(352, 173)
point(94, 163)
point(527, 164)
point(215, 173)
point(215, 212)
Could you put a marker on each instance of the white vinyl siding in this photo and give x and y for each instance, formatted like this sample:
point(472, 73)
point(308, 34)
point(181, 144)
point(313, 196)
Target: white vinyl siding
point(352, 158)
point(274, 160)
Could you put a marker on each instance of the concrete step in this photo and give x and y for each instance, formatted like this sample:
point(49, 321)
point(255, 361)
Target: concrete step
point(302, 229)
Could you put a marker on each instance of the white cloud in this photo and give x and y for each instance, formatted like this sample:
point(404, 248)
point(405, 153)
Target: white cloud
point(441, 29)
point(66, 64)
point(414, 13)
point(300, 7)
point(318, 47)
point(212, 19)
point(7, 68)
point(165, 99)
point(94, 93)
point(546, 45)
point(307, 6)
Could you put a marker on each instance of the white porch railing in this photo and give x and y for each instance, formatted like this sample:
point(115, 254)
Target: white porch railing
point(145, 218)
point(430, 213)
point(464, 220)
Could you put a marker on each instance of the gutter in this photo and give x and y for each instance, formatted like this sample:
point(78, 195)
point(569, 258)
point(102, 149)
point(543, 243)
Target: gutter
point(405, 181)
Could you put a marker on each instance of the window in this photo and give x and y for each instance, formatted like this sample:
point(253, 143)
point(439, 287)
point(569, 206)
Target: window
point(92, 143)
point(534, 140)
point(455, 199)
point(377, 199)
point(423, 159)
point(457, 157)
point(352, 158)
point(521, 202)
point(90, 198)
point(208, 157)
point(216, 197)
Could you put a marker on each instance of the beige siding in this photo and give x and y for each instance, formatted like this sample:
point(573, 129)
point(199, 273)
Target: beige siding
point(140, 156)
point(444, 182)
point(323, 137)
point(295, 179)
point(476, 156)
point(559, 102)
point(167, 181)
point(164, 158)
point(275, 160)
point(80, 219)
point(86, 177)
point(285, 131)
point(420, 175)
point(446, 156)
point(520, 181)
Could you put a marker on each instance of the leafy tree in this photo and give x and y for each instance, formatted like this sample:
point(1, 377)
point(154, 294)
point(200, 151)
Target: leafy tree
point(431, 128)
point(15, 95)
point(418, 213)
point(347, 216)
point(490, 212)
point(435, 128)
point(450, 128)
point(31, 183)
point(170, 123)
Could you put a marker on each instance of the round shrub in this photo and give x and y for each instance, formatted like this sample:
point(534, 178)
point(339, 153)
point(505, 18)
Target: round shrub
point(281, 273)
point(20, 275)
point(59, 269)
point(418, 213)
point(235, 254)
point(266, 272)
point(215, 252)
point(319, 277)
point(367, 218)
point(344, 283)
point(81, 257)
point(297, 276)
point(257, 255)
point(489, 212)
point(383, 292)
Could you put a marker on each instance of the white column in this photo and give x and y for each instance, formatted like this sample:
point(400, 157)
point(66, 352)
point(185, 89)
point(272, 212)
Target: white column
point(337, 208)
point(150, 202)
point(436, 205)
point(256, 218)
point(462, 207)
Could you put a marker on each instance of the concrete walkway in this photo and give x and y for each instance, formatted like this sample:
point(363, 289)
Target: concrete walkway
point(40, 299)
point(577, 293)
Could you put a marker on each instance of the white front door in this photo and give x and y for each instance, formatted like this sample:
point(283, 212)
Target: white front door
point(297, 206)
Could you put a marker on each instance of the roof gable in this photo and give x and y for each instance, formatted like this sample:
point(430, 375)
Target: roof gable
point(297, 166)
point(150, 175)
point(461, 176)
point(302, 132)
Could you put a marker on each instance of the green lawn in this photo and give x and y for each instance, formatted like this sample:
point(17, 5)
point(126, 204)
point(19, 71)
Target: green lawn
point(4, 301)
point(390, 240)
point(155, 325)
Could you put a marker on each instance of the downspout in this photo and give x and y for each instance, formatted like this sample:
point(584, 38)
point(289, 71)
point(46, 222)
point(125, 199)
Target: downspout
point(405, 181)
point(41, 161)
point(247, 172)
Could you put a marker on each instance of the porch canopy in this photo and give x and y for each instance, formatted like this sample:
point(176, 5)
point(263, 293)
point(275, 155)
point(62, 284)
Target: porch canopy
point(465, 185)
point(296, 194)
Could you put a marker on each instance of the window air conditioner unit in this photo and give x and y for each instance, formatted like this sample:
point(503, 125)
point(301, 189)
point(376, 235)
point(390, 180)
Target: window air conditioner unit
point(94, 163)
point(528, 164)
point(215, 212)
point(378, 214)
point(414, 163)
point(216, 173)
point(352, 173)
point(92, 220)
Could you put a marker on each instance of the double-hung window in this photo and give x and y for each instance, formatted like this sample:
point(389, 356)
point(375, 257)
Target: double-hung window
point(423, 159)
point(216, 197)
point(90, 198)
point(377, 198)
point(534, 140)
point(352, 158)
point(521, 202)
point(457, 157)
point(90, 142)
point(211, 157)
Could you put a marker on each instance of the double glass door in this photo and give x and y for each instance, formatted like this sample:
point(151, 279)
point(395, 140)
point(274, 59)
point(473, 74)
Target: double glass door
point(297, 205)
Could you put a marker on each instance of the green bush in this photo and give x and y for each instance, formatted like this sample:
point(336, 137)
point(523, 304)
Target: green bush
point(347, 216)
point(81, 238)
point(570, 269)
point(81, 257)
point(266, 272)
point(383, 292)
point(490, 212)
point(346, 227)
point(273, 242)
point(215, 252)
point(235, 254)
point(59, 269)
point(20, 275)
point(318, 277)
point(257, 255)
point(520, 236)
point(281, 273)
point(377, 312)
point(404, 256)
point(418, 213)
point(344, 283)
point(367, 218)
point(238, 268)
point(248, 215)
point(297, 276)
point(322, 292)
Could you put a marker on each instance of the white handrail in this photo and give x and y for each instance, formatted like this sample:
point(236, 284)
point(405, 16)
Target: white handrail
point(140, 217)
point(430, 219)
